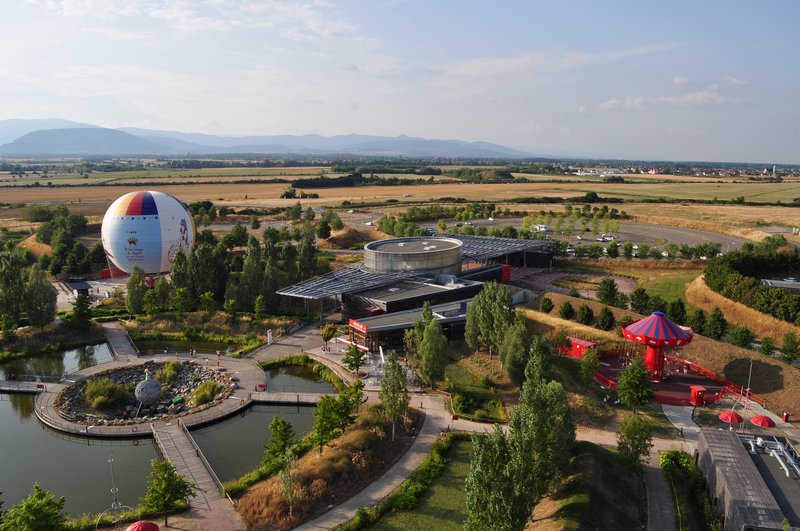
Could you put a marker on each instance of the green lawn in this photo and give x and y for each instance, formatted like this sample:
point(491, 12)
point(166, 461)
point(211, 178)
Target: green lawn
point(443, 506)
point(476, 398)
point(669, 287)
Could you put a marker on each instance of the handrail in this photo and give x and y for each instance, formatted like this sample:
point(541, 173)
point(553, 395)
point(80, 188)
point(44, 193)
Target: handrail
point(202, 457)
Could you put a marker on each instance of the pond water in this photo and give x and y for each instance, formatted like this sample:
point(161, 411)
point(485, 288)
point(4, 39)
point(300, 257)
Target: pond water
point(52, 365)
point(299, 379)
point(76, 468)
point(236, 446)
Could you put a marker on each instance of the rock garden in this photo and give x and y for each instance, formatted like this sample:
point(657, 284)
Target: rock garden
point(144, 393)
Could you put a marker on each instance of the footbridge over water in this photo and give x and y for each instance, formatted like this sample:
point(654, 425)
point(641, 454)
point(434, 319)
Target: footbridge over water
point(266, 397)
point(178, 447)
point(13, 386)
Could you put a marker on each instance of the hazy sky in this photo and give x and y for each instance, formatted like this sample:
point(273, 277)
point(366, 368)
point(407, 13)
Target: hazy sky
point(708, 80)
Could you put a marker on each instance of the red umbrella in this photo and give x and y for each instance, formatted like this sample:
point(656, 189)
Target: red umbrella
point(142, 525)
point(763, 421)
point(730, 417)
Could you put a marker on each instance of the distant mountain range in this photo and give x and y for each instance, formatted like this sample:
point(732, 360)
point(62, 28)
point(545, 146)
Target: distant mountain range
point(56, 137)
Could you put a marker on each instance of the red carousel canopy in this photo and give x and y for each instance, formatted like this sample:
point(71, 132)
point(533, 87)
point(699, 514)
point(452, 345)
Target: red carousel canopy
point(658, 331)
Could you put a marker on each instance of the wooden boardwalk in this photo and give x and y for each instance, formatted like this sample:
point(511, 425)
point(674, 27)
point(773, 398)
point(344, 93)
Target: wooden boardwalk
point(287, 398)
point(21, 387)
point(179, 448)
point(122, 348)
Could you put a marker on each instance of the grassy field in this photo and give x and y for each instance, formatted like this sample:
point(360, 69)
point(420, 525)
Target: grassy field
point(669, 287)
point(599, 492)
point(443, 506)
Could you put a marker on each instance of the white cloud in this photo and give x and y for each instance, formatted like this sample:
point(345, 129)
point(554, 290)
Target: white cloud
point(680, 80)
point(730, 80)
point(708, 97)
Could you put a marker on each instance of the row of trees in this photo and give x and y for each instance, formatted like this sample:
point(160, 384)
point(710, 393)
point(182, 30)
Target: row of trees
point(510, 473)
point(29, 293)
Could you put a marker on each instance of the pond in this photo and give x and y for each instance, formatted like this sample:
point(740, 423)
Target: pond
point(52, 365)
point(76, 468)
point(236, 446)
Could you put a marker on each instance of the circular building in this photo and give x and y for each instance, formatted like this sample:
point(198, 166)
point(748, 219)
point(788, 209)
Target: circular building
point(146, 229)
point(430, 255)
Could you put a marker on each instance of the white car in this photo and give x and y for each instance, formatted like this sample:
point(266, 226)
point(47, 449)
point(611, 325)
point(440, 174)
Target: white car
point(491, 219)
point(368, 223)
point(580, 237)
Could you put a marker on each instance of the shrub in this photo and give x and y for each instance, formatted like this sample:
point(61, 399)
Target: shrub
point(574, 293)
point(104, 393)
point(585, 315)
point(205, 393)
point(566, 311)
point(605, 319)
point(168, 375)
point(546, 305)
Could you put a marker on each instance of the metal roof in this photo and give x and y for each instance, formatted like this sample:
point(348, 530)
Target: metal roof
point(347, 280)
point(356, 278)
point(486, 247)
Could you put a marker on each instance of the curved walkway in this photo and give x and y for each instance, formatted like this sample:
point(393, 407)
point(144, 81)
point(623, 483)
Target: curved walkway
point(249, 375)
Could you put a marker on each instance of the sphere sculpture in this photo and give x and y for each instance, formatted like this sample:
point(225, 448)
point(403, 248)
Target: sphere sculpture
point(146, 229)
point(148, 391)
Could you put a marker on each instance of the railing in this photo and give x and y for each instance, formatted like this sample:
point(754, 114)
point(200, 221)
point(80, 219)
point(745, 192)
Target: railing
point(728, 387)
point(16, 386)
point(202, 457)
point(611, 384)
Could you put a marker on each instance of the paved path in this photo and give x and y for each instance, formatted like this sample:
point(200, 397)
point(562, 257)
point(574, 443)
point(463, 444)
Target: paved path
point(681, 417)
point(121, 345)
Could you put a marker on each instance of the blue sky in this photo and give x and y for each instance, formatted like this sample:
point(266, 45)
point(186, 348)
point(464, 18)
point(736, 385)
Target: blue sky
point(673, 80)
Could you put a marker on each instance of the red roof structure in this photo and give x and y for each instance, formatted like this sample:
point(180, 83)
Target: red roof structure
point(657, 332)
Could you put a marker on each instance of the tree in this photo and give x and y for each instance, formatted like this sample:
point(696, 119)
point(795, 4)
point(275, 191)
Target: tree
point(697, 321)
point(590, 364)
point(259, 307)
point(640, 301)
point(179, 274)
point(634, 440)
point(513, 352)
point(767, 346)
point(490, 484)
point(40, 298)
point(150, 304)
point(676, 310)
point(789, 349)
point(635, 387)
point(432, 353)
point(605, 319)
point(136, 286)
point(607, 291)
point(323, 230)
point(612, 250)
point(291, 484)
point(281, 439)
point(546, 305)
point(326, 332)
point(207, 302)
point(489, 315)
point(441, 225)
point(81, 313)
point(394, 395)
point(180, 301)
point(716, 326)
point(566, 311)
point(325, 421)
point(165, 488)
point(741, 336)
point(39, 511)
point(627, 250)
point(353, 358)
point(585, 315)
point(255, 223)
point(162, 289)
point(537, 369)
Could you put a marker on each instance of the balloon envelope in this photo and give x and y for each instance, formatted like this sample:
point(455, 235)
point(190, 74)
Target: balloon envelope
point(146, 229)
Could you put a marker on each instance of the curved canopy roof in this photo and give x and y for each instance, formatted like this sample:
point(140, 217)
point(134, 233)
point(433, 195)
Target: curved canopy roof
point(658, 331)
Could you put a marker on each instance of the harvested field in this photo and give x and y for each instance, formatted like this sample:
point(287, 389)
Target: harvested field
point(774, 380)
point(37, 249)
point(699, 295)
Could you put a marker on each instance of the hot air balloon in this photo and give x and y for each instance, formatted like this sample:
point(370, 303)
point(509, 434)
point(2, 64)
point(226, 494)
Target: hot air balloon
point(146, 229)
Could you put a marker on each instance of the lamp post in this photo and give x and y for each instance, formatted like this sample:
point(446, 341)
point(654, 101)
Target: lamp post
point(749, 376)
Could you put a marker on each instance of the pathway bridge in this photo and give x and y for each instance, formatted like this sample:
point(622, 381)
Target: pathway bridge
point(14, 386)
point(287, 398)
